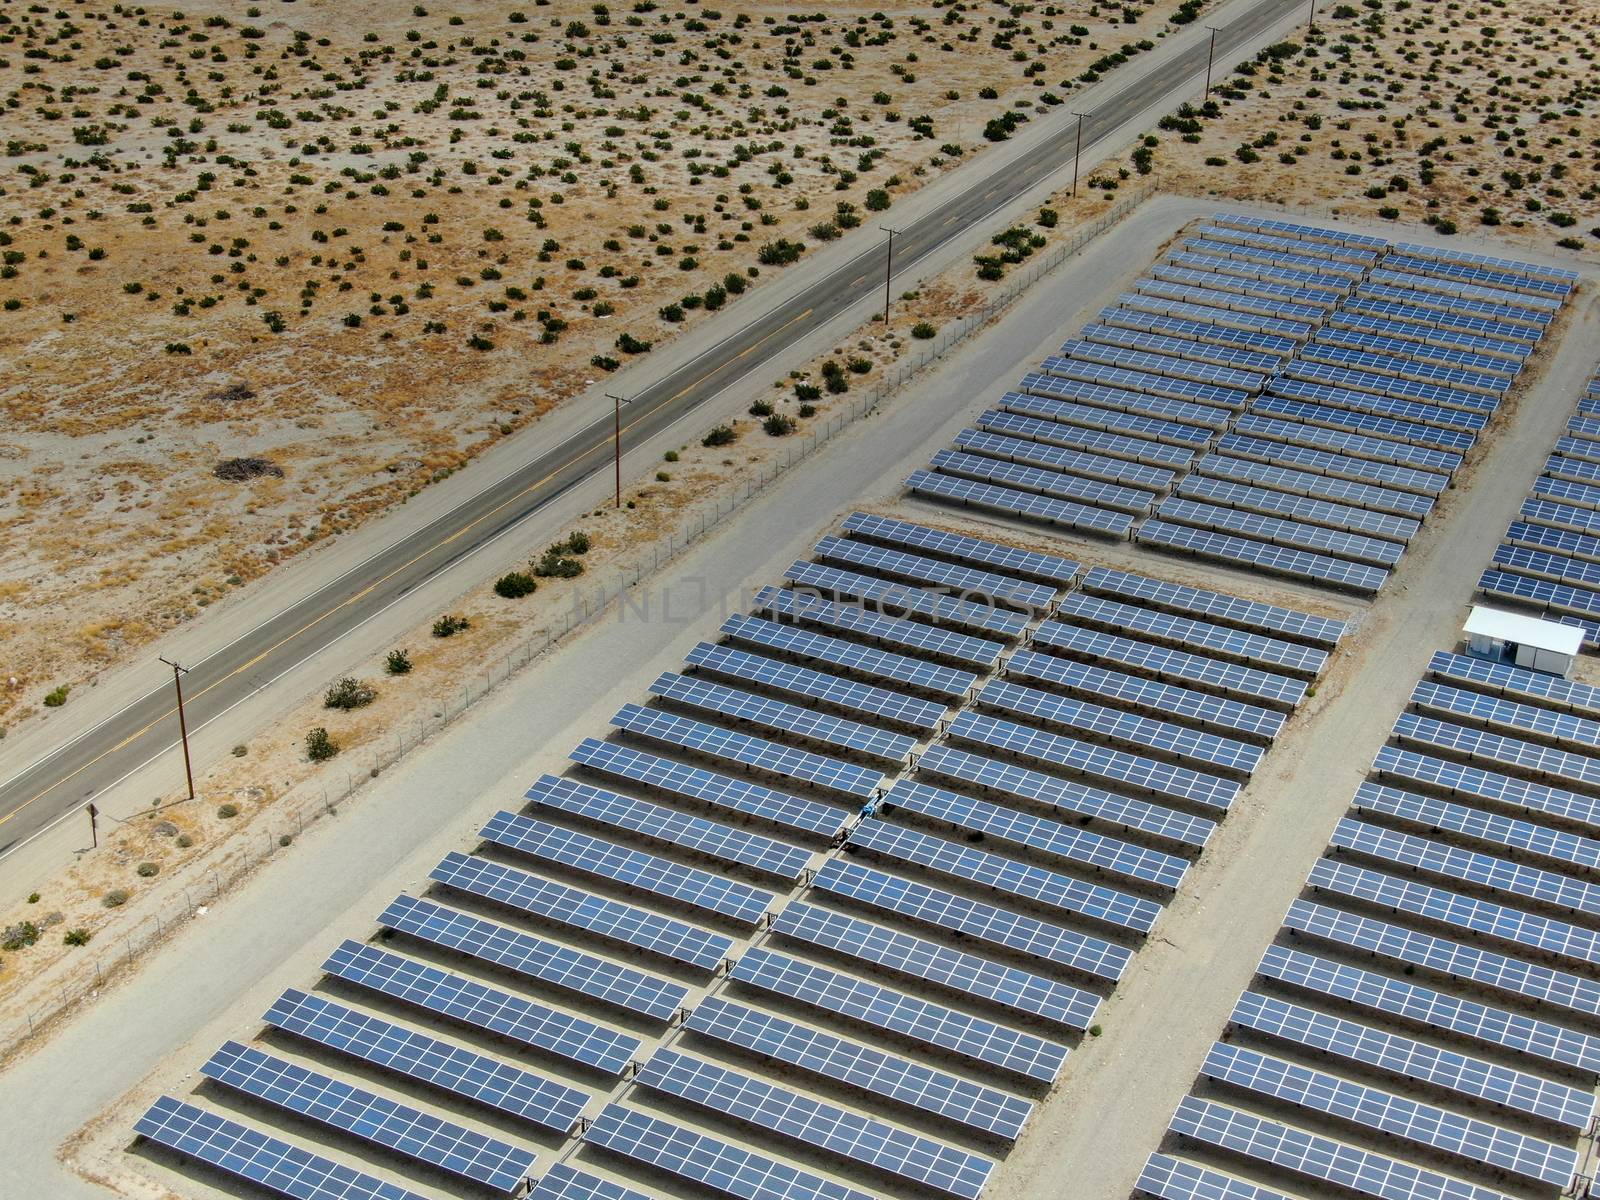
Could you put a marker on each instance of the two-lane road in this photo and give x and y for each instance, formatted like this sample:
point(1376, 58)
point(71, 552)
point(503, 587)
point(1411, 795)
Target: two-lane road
point(40, 794)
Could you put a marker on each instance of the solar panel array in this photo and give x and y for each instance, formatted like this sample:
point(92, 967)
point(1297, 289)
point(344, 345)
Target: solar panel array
point(1428, 1007)
point(1549, 561)
point(1285, 401)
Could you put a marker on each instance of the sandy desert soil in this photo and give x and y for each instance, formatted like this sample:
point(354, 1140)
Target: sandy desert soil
point(360, 241)
point(1472, 117)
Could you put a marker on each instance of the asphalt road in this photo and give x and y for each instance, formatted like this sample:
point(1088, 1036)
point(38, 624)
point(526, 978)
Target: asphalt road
point(66, 779)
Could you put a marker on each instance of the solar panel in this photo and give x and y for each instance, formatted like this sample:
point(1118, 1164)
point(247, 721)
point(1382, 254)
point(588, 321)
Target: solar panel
point(1491, 747)
point(1024, 564)
point(719, 791)
point(1156, 374)
point(1048, 889)
point(913, 673)
point(1265, 285)
point(1571, 571)
point(1564, 516)
point(1350, 420)
point(1270, 347)
point(970, 974)
point(1314, 1156)
point(1509, 350)
point(801, 723)
point(1056, 433)
point(1565, 542)
point(1397, 307)
point(395, 1127)
point(1427, 812)
point(1335, 466)
point(1161, 407)
point(1232, 643)
point(1415, 351)
point(250, 1155)
point(1298, 508)
point(1334, 488)
point(881, 1075)
point(1146, 733)
point(817, 1124)
point(1295, 534)
point(919, 568)
point(1311, 233)
point(1583, 448)
point(556, 902)
point(1313, 383)
point(1029, 505)
point(1195, 288)
point(670, 827)
point(1067, 795)
point(1168, 1178)
point(1182, 600)
point(1453, 910)
point(1165, 663)
point(1465, 866)
point(1264, 252)
point(1444, 957)
point(1390, 1053)
point(1504, 679)
point(1349, 442)
point(1499, 314)
point(1567, 728)
point(1059, 399)
point(1399, 1116)
point(1516, 281)
point(464, 1073)
point(985, 923)
point(1059, 458)
point(1536, 270)
point(1430, 1010)
point(1278, 560)
point(972, 1038)
point(1035, 479)
point(1096, 762)
point(1567, 492)
point(1387, 375)
point(984, 618)
point(534, 958)
point(562, 1182)
point(1146, 694)
point(1557, 598)
point(775, 758)
point(1485, 786)
point(605, 860)
point(1537, 311)
point(1214, 317)
point(708, 1162)
point(812, 609)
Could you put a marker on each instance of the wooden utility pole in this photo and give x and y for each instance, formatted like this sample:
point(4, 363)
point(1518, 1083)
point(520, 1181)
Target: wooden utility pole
point(1211, 55)
point(94, 826)
point(616, 439)
point(888, 272)
point(183, 725)
point(1076, 150)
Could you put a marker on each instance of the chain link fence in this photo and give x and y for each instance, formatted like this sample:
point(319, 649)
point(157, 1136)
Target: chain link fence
point(288, 818)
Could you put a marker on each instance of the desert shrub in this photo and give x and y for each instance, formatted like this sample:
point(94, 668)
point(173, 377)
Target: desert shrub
point(629, 344)
point(778, 425)
point(184, 841)
point(720, 435)
point(147, 870)
point(19, 936)
point(514, 585)
point(241, 750)
point(76, 937)
point(228, 811)
point(780, 253)
point(807, 392)
point(449, 625)
point(397, 662)
point(320, 745)
point(1049, 218)
point(923, 330)
point(115, 898)
point(761, 408)
point(348, 693)
point(56, 697)
point(670, 456)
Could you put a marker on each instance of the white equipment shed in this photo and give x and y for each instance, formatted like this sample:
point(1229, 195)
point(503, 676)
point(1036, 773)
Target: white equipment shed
point(1523, 641)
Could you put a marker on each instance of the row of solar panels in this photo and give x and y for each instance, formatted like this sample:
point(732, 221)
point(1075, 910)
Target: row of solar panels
point(646, 874)
point(1278, 400)
point(1423, 1026)
point(1550, 558)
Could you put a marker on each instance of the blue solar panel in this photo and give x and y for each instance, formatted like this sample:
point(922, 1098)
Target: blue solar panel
point(1388, 375)
point(1039, 396)
point(708, 1162)
point(1583, 449)
point(1099, 441)
point(1573, 731)
point(1560, 541)
point(719, 791)
point(1513, 280)
point(900, 564)
point(1319, 512)
point(1265, 556)
point(1011, 560)
point(1422, 403)
point(901, 669)
point(1161, 407)
point(1141, 732)
point(911, 1017)
point(1445, 958)
point(1563, 516)
point(984, 618)
point(1188, 601)
point(562, 1182)
point(1214, 638)
point(1392, 1054)
point(671, 939)
point(1491, 747)
point(1571, 571)
point(1334, 238)
point(1316, 1157)
point(1029, 505)
point(1266, 284)
point(881, 1075)
point(1066, 795)
point(697, 737)
point(1059, 458)
point(1328, 487)
point(704, 890)
point(1416, 350)
point(1269, 253)
point(1297, 535)
point(1344, 419)
point(1335, 466)
point(1007, 876)
point(816, 1123)
point(1476, 784)
point(1210, 309)
point(1036, 479)
point(1567, 492)
point(1168, 664)
point(1398, 1116)
point(1480, 825)
point(534, 958)
point(252, 1156)
point(970, 974)
point(1556, 598)
point(1156, 374)
point(1396, 307)
point(670, 827)
point(1507, 305)
point(1534, 270)
point(806, 607)
point(1431, 1010)
point(1196, 289)
point(1148, 695)
point(1168, 1178)
point(1018, 828)
point(1422, 330)
point(1272, 346)
point(1551, 691)
point(1391, 288)
point(1344, 441)
point(389, 1124)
